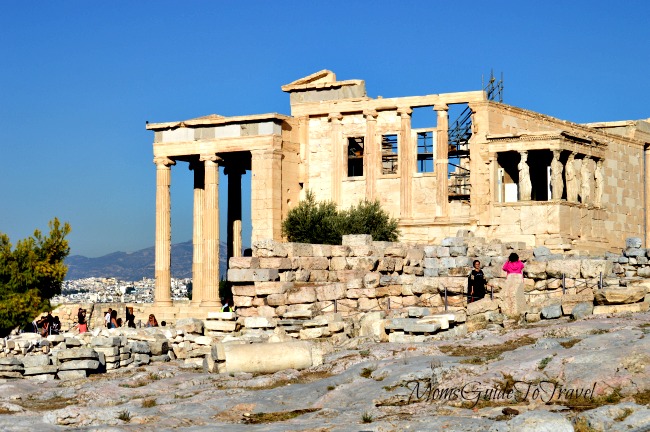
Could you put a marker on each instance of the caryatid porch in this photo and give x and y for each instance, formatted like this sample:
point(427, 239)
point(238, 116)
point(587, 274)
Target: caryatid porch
point(262, 144)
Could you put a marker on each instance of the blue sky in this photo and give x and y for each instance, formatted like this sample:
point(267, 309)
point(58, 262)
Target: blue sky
point(79, 79)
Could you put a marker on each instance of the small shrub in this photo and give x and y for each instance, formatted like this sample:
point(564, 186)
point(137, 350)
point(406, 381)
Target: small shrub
point(367, 371)
point(366, 417)
point(149, 403)
point(544, 363)
point(364, 353)
point(125, 416)
point(330, 387)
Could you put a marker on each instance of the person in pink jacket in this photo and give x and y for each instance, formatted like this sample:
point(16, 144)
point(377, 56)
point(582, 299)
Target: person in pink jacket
point(513, 265)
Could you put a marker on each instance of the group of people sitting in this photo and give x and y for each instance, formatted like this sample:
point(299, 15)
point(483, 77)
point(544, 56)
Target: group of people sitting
point(112, 321)
point(476, 280)
point(47, 325)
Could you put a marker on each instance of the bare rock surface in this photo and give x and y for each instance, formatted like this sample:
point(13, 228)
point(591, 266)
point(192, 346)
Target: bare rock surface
point(559, 375)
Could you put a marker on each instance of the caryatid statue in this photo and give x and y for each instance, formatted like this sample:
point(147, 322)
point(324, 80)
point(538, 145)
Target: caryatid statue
point(586, 177)
point(598, 176)
point(571, 181)
point(557, 186)
point(525, 186)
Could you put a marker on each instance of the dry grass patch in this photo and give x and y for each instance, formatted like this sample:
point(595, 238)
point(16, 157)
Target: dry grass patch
point(486, 351)
point(257, 418)
point(304, 378)
point(568, 344)
point(51, 404)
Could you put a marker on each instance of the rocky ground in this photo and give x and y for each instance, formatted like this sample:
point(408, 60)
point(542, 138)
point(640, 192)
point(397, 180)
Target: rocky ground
point(556, 375)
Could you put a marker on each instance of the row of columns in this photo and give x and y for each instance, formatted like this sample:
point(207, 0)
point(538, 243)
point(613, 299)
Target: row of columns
point(407, 158)
point(205, 233)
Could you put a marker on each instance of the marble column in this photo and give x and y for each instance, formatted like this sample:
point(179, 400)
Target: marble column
point(442, 160)
point(210, 292)
point(339, 159)
point(162, 268)
point(557, 185)
point(234, 174)
point(404, 164)
point(372, 157)
point(525, 185)
point(266, 194)
point(198, 168)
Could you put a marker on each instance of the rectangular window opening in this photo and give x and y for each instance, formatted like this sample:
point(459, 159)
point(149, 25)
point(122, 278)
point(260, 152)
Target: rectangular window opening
point(355, 156)
point(425, 143)
point(389, 154)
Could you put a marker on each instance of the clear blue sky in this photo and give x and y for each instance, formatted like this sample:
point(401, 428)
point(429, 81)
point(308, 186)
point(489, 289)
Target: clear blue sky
point(79, 79)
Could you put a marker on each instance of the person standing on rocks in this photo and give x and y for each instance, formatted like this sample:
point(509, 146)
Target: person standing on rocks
point(81, 320)
point(107, 318)
point(513, 300)
point(475, 283)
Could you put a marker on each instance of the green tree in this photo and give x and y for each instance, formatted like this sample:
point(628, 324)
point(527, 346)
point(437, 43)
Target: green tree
point(321, 223)
point(312, 222)
point(369, 218)
point(31, 274)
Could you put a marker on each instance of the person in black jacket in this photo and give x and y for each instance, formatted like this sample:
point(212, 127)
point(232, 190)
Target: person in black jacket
point(476, 283)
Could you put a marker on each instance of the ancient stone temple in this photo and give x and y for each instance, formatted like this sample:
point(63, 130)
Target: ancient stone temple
point(497, 170)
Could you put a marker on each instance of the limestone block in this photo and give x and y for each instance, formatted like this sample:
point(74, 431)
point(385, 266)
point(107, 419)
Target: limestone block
point(635, 252)
point(341, 251)
point(633, 242)
point(242, 301)
point(386, 280)
point(77, 354)
point(422, 328)
point(425, 285)
point(322, 250)
point(319, 275)
point(298, 314)
point(79, 364)
point(481, 306)
point(244, 290)
point(223, 316)
point(569, 267)
point(406, 279)
point(357, 240)
point(303, 294)
point(267, 288)
point(330, 291)
point(414, 257)
point(395, 250)
point(453, 241)
point(268, 248)
point(367, 304)
point(142, 359)
point(276, 299)
point(431, 263)
point(190, 325)
point(259, 322)
point(371, 280)
point(40, 370)
point(244, 262)
point(366, 263)
point(339, 263)
point(299, 249)
point(252, 275)
point(390, 264)
point(400, 337)
point(456, 251)
point(552, 311)
point(535, 269)
point(390, 290)
point(140, 347)
point(36, 361)
point(361, 292)
point(621, 308)
point(619, 295)
point(159, 346)
point(593, 268)
point(276, 263)
point(223, 326)
point(643, 272)
point(582, 310)
point(266, 311)
point(70, 375)
point(513, 301)
point(108, 351)
point(453, 285)
point(311, 263)
point(570, 301)
point(415, 271)
point(441, 320)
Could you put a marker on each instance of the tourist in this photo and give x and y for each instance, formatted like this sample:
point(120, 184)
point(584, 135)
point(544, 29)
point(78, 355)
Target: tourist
point(55, 327)
point(152, 321)
point(81, 320)
point(513, 265)
point(107, 317)
point(119, 322)
point(113, 321)
point(475, 283)
point(130, 318)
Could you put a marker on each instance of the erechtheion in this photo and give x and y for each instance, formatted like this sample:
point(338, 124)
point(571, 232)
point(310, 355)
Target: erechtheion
point(500, 171)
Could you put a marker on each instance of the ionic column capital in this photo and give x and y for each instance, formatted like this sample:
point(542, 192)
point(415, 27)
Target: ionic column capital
point(404, 111)
point(441, 107)
point(210, 157)
point(334, 116)
point(164, 161)
point(370, 115)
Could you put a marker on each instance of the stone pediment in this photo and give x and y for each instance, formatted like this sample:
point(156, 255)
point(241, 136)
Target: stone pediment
point(319, 80)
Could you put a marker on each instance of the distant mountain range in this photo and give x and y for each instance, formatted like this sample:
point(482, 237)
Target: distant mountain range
point(136, 265)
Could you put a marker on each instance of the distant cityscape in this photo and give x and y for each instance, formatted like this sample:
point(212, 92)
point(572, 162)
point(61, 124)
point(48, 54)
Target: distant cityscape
point(113, 290)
